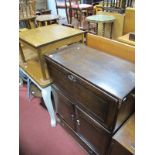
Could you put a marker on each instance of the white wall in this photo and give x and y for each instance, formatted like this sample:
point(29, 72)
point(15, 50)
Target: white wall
point(51, 6)
point(41, 4)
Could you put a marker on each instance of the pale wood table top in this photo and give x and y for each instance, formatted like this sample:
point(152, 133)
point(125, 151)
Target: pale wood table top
point(42, 18)
point(101, 18)
point(48, 34)
point(125, 39)
point(33, 69)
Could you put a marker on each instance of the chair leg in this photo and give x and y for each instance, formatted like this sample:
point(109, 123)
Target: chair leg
point(57, 10)
point(70, 16)
point(77, 14)
point(80, 17)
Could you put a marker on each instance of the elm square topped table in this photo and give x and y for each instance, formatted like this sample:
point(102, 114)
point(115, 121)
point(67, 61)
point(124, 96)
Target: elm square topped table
point(48, 38)
point(101, 19)
point(42, 40)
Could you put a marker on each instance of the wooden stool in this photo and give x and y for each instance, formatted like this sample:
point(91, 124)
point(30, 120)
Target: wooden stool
point(43, 20)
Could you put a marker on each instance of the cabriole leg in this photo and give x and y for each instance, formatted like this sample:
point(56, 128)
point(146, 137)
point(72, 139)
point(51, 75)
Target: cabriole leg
point(46, 94)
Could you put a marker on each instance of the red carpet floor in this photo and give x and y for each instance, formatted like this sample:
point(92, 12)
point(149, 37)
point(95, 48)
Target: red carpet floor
point(37, 137)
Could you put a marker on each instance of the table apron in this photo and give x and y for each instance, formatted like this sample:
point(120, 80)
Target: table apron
point(28, 45)
point(53, 46)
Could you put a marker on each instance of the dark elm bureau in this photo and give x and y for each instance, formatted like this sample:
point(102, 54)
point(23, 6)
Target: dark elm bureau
point(93, 94)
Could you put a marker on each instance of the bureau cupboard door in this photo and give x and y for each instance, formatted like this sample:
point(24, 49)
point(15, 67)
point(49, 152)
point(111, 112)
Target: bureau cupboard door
point(65, 108)
point(99, 105)
point(92, 132)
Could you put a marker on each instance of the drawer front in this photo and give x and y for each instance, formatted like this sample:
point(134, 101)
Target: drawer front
point(93, 133)
point(75, 136)
point(97, 104)
point(64, 108)
point(126, 109)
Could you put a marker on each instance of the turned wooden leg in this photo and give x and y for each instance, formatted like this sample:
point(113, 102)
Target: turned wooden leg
point(103, 32)
point(111, 30)
point(69, 15)
point(96, 28)
point(41, 61)
point(88, 26)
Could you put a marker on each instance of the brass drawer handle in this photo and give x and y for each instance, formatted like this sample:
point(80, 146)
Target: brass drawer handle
point(72, 78)
point(78, 122)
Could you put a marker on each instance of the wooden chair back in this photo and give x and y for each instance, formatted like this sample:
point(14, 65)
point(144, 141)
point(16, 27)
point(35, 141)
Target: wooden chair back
point(112, 47)
point(27, 8)
point(116, 5)
point(62, 4)
point(27, 14)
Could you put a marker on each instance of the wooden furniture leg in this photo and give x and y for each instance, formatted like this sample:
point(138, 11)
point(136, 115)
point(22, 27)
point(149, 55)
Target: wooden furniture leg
point(80, 17)
point(103, 32)
point(21, 53)
point(42, 65)
point(88, 26)
point(111, 30)
point(70, 16)
point(96, 29)
point(68, 20)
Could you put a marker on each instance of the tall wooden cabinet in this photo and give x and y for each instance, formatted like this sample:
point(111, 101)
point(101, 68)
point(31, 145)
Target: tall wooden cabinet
point(92, 93)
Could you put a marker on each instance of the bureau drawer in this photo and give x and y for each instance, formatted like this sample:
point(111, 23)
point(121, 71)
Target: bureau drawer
point(64, 108)
point(92, 132)
point(99, 105)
